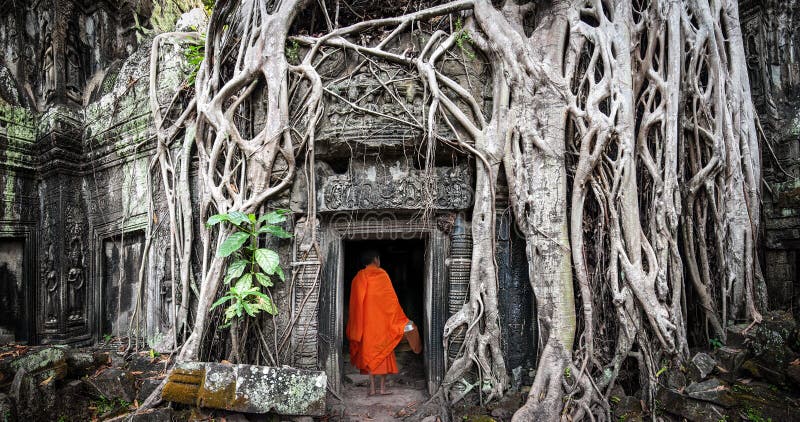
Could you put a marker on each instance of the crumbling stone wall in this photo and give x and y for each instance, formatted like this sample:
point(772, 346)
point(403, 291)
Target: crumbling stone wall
point(772, 44)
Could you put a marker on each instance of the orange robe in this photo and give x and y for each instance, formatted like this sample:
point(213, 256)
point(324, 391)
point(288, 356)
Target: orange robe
point(376, 322)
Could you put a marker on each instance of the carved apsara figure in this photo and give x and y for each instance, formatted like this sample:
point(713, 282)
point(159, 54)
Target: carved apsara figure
point(75, 280)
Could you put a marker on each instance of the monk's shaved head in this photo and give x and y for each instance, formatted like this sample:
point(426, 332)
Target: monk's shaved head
point(369, 256)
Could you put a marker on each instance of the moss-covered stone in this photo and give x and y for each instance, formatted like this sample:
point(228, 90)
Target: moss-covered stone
point(248, 388)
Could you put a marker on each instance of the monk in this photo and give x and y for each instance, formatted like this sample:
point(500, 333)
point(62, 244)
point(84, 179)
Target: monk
point(376, 323)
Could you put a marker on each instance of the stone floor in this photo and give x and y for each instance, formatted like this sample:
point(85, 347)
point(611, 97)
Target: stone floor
point(408, 392)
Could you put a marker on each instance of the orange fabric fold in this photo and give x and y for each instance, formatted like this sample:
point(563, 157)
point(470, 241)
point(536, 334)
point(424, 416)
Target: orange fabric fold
point(376, 322)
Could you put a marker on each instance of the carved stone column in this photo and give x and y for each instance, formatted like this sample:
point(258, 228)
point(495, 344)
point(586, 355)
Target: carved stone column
point(459, 262)
point(63, 292)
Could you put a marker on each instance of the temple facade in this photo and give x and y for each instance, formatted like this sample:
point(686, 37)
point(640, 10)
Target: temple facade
point(76, 143)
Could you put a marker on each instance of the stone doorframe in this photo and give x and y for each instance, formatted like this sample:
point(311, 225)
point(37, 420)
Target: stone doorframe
point(101, 233)
point(27, 234)
point(333, 232)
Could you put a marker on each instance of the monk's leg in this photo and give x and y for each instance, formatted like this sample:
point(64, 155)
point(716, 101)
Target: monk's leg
point(383, 384)
point(371, 385)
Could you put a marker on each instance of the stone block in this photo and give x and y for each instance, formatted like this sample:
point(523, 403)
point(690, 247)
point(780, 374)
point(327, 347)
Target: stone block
point(248, 388)
point(712, 390)
point(114, 383)
point(730, 358)
point(701, 366)
point(672, 402)
point(47, 363)
point(146, 388)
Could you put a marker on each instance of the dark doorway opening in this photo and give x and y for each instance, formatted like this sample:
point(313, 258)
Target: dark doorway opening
point(404, 261)
point(14, 318)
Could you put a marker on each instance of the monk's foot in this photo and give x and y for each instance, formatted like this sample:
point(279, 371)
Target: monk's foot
point(385, 393)
point(371, 393)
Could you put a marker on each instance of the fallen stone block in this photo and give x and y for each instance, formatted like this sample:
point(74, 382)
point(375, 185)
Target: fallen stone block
point(701, 366)
point(730, 358)
point(713, 390)
point(672, 402)
point(114, 383)
point(49, 363)
point(247, 388)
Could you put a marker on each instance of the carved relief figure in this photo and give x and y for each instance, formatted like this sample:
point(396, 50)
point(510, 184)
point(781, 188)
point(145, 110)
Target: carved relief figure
point(51, 283)
point(73, 68)
point(49, 67)
point(75, 281)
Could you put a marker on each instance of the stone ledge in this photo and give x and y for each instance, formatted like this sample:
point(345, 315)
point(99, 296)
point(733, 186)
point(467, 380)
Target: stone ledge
point(248, 388)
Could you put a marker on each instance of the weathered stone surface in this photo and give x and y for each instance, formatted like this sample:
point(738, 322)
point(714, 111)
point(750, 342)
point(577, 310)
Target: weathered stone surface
point(730, 358)
point(712, 390)
point(627, 408)
point(672, 402)
point(114, 383)
point(248, 388)
point(33, 399)
point(756, 368)
point(46, 363)
point(147, 386)
point(701, 365)
point(7, 411)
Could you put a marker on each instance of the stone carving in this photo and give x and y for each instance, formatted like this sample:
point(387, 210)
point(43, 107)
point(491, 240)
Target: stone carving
point(306, 299)
point(49, 67)
point(76, 280)
point(360, 109)
point(459, 263)
point(73, 68)
point(397, 189)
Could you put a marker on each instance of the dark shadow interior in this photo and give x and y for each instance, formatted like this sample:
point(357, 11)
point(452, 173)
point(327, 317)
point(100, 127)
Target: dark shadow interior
point(404, 261)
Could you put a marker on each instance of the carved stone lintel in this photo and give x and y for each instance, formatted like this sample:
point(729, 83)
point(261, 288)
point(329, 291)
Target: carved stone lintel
point(393, 187)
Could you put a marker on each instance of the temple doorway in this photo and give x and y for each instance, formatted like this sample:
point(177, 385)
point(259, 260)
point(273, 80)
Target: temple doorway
point(404, 261)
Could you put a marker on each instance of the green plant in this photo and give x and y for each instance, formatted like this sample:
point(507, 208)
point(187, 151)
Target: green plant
point(107, 337)
point(661, 371)
point(153, 354)
point(462, 36)
point(103, 405)
point(194, 54)
point(715, 343)
point(251, 266)
point(293, 52)
point(754, 415)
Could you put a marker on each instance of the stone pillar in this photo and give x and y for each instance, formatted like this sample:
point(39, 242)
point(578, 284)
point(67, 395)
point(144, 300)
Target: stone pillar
point(459, 263)
point(63, 292)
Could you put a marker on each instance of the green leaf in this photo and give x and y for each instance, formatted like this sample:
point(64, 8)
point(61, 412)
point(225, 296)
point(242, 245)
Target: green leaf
point(238, 217)
point(275, 231)
point(273, 217)
point(279, 271)
point(267, 259)
point(252, 218)
point(230, 312)
point(251, 310)
point(214, 219)
point(245, 283)
point(235, 270)
point(263, 280)
point(232, 244)
point(265, 304)
point(220, 301)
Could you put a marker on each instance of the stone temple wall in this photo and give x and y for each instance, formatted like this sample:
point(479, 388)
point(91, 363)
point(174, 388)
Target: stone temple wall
point(75, 143)
point(771, 32)
point(76, 140)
